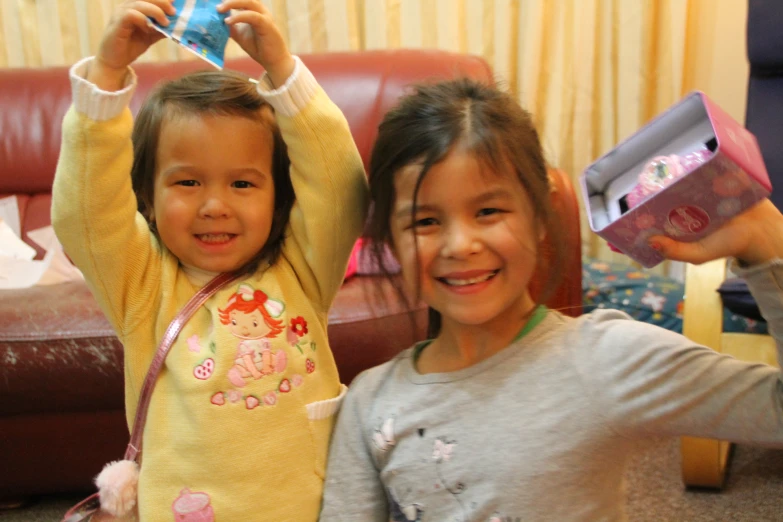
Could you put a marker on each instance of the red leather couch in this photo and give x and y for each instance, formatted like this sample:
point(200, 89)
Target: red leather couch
point(61, 391)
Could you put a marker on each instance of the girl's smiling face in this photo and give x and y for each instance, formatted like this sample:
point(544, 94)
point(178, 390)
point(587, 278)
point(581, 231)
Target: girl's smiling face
point(476, 238)
point(214, 193)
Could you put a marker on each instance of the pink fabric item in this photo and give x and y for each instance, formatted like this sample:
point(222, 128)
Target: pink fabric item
point(362, 262)
point(117, 486)
point(353, 261)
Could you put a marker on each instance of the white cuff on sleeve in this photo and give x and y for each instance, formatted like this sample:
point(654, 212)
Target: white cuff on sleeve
point(324, 409)
point(95, 103)
point(294, 94)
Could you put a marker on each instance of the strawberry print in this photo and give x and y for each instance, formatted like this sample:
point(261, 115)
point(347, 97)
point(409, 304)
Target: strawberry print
point(204, 370)
point(285, 386)
point(218, 399)
point(251, 402)
point(310, 366)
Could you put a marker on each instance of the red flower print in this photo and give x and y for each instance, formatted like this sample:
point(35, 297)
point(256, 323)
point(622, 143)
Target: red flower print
point(310, 366)
point(299, 326)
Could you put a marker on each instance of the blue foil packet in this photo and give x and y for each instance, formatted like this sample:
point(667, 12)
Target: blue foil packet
point(199, 28)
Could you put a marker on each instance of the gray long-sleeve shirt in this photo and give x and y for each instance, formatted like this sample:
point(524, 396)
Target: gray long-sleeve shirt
point(543, 429)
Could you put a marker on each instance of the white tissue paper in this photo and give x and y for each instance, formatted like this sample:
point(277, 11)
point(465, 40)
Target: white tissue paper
point(18, 268)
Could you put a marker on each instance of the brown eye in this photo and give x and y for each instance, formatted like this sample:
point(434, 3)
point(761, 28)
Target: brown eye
point(426, 222)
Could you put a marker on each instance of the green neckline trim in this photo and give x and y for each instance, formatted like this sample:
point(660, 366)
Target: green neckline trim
point(538, 315)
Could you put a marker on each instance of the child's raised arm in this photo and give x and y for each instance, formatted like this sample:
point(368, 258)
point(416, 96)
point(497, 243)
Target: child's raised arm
point(93, 205)
point(667, 385)
point(326, 168)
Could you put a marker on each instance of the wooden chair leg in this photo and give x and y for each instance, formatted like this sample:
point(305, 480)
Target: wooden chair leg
point(704, 462)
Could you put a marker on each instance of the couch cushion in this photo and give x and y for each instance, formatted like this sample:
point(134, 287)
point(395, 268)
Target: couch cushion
point(57, 352)
point(369, 324)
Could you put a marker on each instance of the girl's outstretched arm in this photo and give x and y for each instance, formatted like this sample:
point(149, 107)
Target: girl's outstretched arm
point(329, 181)
point(649, 381)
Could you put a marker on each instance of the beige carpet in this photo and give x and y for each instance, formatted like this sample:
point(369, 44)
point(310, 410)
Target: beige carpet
point(753, 493)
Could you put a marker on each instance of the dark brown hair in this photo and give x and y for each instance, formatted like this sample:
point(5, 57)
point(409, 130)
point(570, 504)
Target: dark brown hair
point(426, 125)
point(212, 93)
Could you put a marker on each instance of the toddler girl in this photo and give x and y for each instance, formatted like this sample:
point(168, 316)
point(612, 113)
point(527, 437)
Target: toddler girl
point(201, 186)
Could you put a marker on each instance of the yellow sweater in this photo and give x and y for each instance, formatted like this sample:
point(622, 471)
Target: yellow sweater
point(237, 430)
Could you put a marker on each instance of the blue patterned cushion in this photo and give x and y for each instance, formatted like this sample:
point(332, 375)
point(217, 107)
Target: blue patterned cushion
point(646, 297)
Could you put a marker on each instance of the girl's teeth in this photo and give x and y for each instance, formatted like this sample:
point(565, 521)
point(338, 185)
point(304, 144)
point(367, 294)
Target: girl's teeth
point(214, 238)
point(472, 281)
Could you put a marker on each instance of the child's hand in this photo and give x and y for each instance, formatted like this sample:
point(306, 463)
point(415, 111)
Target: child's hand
point(753, 237)
point(128, 34)
point(253, 28)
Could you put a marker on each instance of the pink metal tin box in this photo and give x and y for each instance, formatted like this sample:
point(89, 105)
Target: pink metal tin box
point(731, 178)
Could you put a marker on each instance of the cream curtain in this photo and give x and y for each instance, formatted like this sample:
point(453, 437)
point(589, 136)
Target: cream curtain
point(591, 71)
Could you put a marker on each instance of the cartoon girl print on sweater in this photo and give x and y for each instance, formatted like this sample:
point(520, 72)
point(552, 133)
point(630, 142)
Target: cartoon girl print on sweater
point(252, 317)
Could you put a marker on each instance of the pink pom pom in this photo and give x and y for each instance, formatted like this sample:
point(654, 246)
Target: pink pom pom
point(117, 484)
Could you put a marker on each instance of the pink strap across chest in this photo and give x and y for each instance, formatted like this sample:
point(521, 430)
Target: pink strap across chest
point(134, 446)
